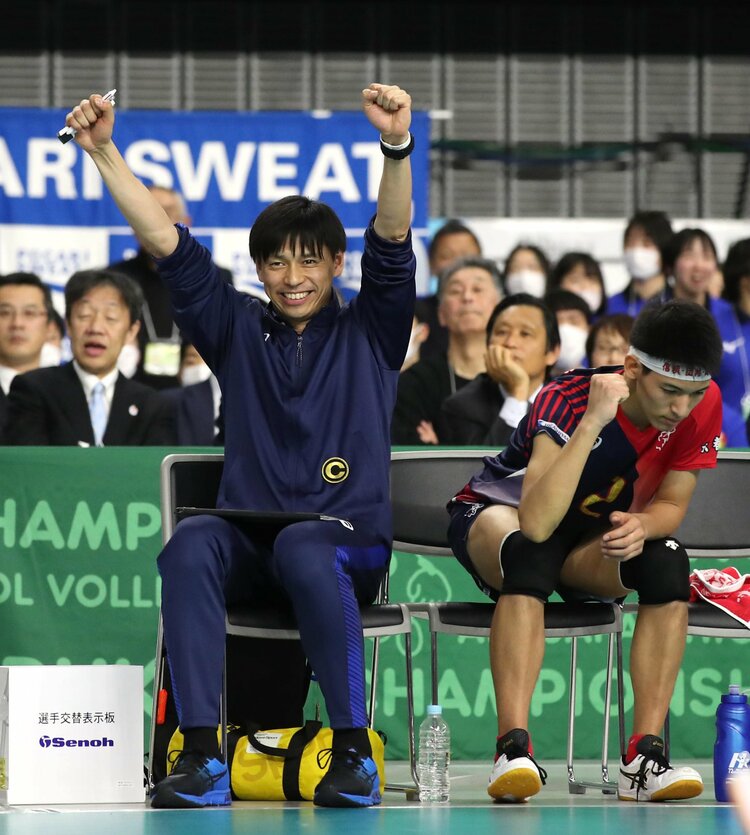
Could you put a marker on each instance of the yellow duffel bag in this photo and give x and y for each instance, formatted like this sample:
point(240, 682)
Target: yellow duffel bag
point(282, 764)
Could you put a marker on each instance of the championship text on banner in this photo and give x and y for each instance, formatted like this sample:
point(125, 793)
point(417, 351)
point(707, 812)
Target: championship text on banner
point(56, 217)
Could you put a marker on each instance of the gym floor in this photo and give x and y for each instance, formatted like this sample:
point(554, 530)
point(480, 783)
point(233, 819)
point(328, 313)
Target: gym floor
point(470, 810)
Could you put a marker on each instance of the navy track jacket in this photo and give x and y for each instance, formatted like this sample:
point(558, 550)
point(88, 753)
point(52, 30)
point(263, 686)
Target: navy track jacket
point(307, 416)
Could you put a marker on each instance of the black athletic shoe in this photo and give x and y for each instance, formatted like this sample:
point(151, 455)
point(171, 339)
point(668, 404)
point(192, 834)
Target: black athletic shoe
point(351, 780)
point(195, 781)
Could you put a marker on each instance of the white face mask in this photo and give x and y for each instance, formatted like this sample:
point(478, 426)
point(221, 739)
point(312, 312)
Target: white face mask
point(593, 298)
point(526, 281)
point(51, 355)
point(642, 262)
point(572, 346)
point(127, 361)
point(191, 375)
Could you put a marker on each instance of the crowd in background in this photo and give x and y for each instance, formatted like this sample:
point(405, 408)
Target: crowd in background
point(117, 371)
point(487, 340)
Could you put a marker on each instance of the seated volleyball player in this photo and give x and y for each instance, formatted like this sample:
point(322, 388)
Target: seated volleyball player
point(585, 498)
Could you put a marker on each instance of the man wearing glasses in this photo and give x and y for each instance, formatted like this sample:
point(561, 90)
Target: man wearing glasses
point(25, 321)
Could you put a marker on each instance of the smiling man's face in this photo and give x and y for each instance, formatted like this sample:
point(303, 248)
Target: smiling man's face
point(300, 283)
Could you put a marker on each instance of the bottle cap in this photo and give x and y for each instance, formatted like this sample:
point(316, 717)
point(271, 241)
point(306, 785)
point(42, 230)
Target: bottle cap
point(734, 689)
point(434, 710)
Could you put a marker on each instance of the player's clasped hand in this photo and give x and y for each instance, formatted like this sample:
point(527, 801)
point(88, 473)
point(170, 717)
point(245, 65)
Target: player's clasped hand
point(606, 394)
point(626, 538)
point(388, 109)
point(93, 120)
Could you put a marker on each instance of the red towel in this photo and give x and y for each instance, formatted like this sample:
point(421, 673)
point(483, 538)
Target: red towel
point(726, 589)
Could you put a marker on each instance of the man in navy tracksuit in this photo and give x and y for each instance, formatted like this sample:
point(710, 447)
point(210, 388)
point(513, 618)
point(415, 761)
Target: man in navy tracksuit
point(308, 389)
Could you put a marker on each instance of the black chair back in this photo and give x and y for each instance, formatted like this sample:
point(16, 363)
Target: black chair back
point(196, 483)
point(188, 480)
point(718, 520)
point(422, 483)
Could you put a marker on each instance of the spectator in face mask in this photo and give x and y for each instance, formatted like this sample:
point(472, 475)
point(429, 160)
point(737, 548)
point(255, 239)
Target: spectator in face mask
point(646, 235)
point(130, 355)
point(55, 343)
point(197, 403)
point(573, 322)
point(581, 274)
point(526, 271)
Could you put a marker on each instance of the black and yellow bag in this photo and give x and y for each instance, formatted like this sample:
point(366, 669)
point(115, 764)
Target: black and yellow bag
point(281, 764)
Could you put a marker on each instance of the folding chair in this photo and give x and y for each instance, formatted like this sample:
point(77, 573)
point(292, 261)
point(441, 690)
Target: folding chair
point(421, 484)
point(190, 482)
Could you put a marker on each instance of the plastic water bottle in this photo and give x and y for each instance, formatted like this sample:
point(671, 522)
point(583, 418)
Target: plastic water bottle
point(434, 757)
point(732, 748)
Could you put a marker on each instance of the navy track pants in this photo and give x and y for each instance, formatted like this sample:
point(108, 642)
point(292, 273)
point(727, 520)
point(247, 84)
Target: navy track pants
point(321, 569)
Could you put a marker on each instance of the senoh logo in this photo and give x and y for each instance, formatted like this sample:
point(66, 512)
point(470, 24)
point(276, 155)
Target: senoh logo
point(61, 742)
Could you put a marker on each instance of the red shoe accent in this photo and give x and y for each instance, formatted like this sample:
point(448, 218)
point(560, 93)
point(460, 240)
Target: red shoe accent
point(631, 752)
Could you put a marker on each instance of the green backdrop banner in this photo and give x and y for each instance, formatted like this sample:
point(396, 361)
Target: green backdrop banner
point(80, 531)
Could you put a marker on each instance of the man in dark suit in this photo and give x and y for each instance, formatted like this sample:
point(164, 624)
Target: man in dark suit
point(25, 315)
point(523, 343)
point(88, 402)
point(158, 340)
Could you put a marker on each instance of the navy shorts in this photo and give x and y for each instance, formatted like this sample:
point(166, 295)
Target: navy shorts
point(463, 517)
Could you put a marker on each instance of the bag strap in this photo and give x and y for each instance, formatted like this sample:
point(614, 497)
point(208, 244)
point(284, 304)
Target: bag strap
point(292, 755)
point(292, 765)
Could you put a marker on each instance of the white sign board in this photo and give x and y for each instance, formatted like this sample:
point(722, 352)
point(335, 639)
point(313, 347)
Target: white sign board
point(71, 734)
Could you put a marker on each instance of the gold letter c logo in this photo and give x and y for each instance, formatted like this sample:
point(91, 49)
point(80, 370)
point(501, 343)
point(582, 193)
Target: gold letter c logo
point(335, 470)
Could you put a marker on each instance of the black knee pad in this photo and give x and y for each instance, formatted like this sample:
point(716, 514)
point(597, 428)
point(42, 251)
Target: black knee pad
point(531, 568)
point(660, 574)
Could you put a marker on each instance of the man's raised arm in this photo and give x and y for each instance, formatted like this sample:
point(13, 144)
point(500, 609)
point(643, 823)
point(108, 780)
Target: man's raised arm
point(388, 109)
point(93, 120)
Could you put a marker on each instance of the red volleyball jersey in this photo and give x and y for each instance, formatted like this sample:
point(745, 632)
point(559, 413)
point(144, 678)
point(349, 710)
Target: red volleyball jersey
point(626, 464)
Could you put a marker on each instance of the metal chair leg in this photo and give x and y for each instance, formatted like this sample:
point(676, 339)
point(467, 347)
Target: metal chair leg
point(575, 786)
point(608, 787)
point(620, 695)
point(223, 713)
point(410, 707)
point(410, 791)
point(373, 681)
